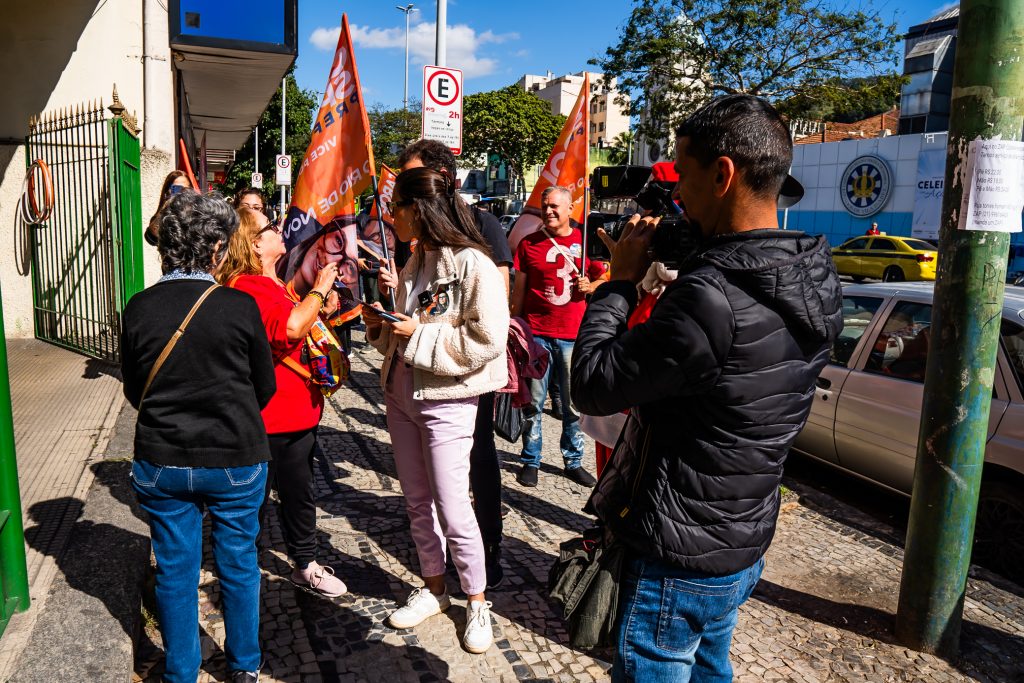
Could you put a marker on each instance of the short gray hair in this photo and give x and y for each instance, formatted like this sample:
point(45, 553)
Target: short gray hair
point(556, 188)
point(191, 225)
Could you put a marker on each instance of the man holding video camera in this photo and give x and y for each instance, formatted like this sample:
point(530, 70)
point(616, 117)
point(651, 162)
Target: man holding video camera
point(718, 382)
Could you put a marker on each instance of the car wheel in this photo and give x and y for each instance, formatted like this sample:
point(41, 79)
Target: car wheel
point(999, 531)
point(893, 274)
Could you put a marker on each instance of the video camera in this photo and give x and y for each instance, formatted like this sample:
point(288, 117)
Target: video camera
point(674, 240)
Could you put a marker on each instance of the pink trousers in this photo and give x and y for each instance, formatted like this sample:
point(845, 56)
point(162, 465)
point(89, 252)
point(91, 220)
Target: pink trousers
point(432, 441)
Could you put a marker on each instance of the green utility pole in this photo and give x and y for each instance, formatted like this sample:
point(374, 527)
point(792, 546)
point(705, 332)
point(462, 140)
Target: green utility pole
point(987, 104)
point(13, 569)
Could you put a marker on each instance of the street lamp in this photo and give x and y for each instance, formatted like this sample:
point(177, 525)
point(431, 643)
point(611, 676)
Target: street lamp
point(408, 9)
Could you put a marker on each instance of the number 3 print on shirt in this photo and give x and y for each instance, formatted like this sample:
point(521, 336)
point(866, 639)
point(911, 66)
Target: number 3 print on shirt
point(564, 274)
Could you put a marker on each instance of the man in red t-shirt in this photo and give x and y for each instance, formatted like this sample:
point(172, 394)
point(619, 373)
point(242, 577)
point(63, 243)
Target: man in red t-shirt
point(550, 293)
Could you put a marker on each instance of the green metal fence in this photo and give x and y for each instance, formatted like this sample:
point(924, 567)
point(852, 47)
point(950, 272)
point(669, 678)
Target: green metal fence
point(87, 257)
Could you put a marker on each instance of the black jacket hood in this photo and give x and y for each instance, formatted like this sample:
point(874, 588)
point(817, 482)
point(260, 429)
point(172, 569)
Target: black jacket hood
point(789, 271)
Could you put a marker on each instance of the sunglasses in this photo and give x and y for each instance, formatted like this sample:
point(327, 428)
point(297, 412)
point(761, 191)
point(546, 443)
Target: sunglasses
point(271, 227)
point(391, 205)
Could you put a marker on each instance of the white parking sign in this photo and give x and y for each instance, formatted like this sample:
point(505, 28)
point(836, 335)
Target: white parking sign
point(257, 180)
point(284, 169)
point(442, 106)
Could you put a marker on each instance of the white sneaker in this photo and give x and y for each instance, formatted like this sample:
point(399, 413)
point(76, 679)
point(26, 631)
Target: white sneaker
point(479, 635)
point(421, 605)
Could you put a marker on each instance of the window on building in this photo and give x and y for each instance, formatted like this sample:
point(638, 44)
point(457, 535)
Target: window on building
point(901, 349)
point(857, 314)
point(593, 127)
point(600, 127)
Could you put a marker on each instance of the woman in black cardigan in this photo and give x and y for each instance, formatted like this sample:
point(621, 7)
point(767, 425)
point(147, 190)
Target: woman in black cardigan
point(199, 440)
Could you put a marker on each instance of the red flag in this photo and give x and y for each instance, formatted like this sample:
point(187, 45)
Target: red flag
point(337, 168)
point(566, 166)
point(185, 165)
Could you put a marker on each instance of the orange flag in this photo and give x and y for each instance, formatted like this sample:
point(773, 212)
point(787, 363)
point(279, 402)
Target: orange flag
point(386, 187)
point(338, 166)
point(567, 166)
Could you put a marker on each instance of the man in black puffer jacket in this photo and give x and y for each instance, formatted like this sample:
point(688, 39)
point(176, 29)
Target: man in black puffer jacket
point(718, 382)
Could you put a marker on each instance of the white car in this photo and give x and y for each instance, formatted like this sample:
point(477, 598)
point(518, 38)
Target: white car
point(867, 408)
point(507, 221)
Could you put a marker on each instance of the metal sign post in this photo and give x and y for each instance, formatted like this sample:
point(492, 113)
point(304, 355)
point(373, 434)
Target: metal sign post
point(442, 106)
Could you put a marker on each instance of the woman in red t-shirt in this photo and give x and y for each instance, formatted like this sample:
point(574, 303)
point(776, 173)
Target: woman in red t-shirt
point(293, 414)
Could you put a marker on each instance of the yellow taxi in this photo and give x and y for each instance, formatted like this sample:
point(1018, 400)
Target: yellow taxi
point(888, 258)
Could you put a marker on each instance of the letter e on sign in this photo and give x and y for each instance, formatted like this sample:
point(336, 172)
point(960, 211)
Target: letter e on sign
point(283, 165)
point(442, 106)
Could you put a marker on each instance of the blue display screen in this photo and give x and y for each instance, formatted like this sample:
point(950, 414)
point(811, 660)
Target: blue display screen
point(255, 21)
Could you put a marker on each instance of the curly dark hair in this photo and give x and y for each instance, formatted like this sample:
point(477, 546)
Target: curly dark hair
point(431, 154)
point(191, 225)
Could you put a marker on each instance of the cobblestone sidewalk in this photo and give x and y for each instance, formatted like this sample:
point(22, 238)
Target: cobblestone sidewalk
point(823, 611)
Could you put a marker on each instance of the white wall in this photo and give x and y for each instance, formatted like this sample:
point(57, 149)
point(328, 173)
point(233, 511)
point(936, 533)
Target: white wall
point(819, 167)
point(95, 45)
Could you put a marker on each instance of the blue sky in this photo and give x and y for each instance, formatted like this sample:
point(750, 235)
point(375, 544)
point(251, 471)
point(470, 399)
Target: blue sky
point(494, 42)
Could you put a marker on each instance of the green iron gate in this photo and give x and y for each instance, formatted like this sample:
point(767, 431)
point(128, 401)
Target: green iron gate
point(87, 257)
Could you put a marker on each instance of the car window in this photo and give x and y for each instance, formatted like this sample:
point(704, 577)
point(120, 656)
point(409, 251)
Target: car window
point(920, 245)
point(886, 245)
point(901, 348)
point(861, 243)
point(1013, 343)
point(857, 314)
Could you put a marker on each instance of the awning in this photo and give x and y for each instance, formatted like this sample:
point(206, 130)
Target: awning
point(230, 62)
point(226, 91)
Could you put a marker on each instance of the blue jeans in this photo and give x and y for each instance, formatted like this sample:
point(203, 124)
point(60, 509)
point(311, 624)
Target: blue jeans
point(571, 443)
point(675, 625)
point(174, 498)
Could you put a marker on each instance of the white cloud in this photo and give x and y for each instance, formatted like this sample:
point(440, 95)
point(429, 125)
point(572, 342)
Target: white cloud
point(463, 42)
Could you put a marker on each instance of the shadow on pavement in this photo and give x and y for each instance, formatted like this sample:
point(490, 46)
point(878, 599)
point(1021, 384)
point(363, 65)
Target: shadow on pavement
point(979, 644)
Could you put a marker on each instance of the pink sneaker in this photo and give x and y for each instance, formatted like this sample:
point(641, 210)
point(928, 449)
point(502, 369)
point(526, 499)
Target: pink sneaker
point(319, 579)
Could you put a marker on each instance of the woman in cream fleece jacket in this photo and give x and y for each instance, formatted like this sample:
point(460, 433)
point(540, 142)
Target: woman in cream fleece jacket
point(447, 348)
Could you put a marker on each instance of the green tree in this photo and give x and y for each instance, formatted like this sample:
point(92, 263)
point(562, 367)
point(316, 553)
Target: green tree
point(516, 125)
point(846, 100)
point(674, 55)
point(618, 153)
point(392, 130)
point(302, 106)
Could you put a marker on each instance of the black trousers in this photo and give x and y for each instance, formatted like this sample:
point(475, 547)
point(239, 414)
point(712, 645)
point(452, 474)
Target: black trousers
point(291, 473)
point(485, 474)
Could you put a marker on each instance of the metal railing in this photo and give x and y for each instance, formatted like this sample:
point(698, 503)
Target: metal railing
point(86, 258)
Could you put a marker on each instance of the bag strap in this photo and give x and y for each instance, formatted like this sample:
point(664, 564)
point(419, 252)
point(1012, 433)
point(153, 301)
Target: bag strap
point(563, 252)
point(174, 340)
point(297, 367)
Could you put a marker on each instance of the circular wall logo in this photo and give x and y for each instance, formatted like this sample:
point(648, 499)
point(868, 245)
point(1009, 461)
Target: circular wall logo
point(865, 186)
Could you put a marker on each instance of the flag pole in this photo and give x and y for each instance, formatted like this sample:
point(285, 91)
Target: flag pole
point(586, 219)
point(383, 236)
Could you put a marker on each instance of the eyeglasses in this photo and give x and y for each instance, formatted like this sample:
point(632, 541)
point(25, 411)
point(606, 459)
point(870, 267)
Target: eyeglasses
point(254, 207)
point(392, 204)
point(269, 227)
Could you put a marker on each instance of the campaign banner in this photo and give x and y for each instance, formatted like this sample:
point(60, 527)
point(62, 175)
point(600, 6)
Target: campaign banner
point(321, 225)
point(385, 188)
point(566, 166)
point(931, 176)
